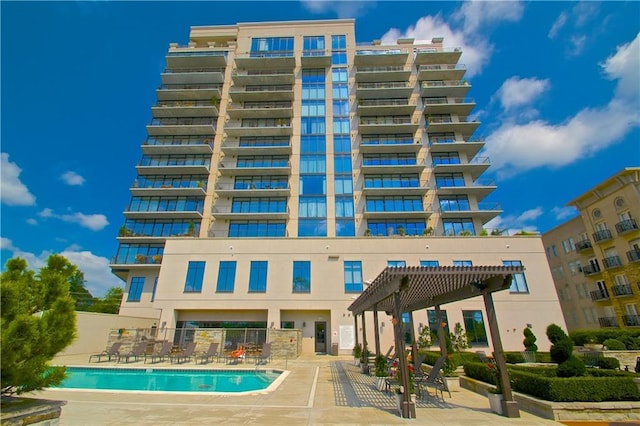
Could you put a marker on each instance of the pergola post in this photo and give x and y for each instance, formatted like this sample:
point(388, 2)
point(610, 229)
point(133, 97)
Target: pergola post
point(355, 320)
point(408, 407)
point(365, 356)
point(509, 406)
point(414, 350)
point(441, 339)
point(376, 330)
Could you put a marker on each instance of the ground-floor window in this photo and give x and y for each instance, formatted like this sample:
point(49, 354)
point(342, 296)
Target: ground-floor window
point(474, 326)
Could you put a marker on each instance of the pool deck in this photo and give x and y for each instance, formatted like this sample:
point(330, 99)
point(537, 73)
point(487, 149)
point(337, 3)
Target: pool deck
point(320, 390)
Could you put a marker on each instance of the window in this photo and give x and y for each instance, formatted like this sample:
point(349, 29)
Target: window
point(344, 207)
point(226, 276)
point(474, 326)
point(518, 283)
point(458, 227)
point(272, 46)
point(312, 228)
point(258, 276)
point(433, 320)
point(462, 263)
point(135, 289)
point(287, 324)
point(396, 263)
point(313, 43)
point(301, 276)
point(195, 275)
point(345, 228)
point(429, 263)
point(352, 276)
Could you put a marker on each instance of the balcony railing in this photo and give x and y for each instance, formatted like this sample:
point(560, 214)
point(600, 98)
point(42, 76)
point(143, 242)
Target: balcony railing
point(445, 83)
point(190, 70)
point(242, 186)
point(266, 105)
point(436, 49)
point(602, 235)
point(381, 52)
point(138, 259)
point(177, 141)
point(384, 85)
point(440, 67)
point(626, 226)
point(622, 290)
point(385, 120)
point(185, 104)
point(174, 161)
point(584, 245)
point(383, 69)
point(445, 101)
point(590, 269)
point(382, 102)
point(599, 295)
point(387, 140)
point(271, 54)
point(262, 72)
point(612, 262)
point(449, 120)
point(633, 255)
point(186, 121)
point(199, 53)
point(608, 322)
point(631, 320)
point(190, 86)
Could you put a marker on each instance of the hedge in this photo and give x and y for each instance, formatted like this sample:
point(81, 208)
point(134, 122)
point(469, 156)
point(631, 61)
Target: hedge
point(581, 337)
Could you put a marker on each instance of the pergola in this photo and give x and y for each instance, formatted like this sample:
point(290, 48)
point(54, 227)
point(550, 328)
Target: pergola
point(407, 289)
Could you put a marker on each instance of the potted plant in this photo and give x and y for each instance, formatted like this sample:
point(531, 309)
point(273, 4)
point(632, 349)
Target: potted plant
point(367, 232)
point(141, 258)
point(364, 362)
point(191, 229)
point(401, 231)
point(124, 231)
point(157, 258)
point(357, 354)
point(382, 371)
point(428, 231)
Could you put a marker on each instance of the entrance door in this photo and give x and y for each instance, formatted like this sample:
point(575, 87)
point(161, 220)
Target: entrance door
point(321, 339)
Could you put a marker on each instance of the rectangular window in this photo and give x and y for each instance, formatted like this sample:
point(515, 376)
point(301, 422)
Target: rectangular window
point(135, 289)
point(429, 263)
point(433, 320)
point(353, 276)
point(301, 276)
point(287, 324)
point(519, 283)
point(258, 276)
point(474, 327)
point(396, 263)
point(462, 263)
point(345, 228)
point(226, 276)
point(195, 276)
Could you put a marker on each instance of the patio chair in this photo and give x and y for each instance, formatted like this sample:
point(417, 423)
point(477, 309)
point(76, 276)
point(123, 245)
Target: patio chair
point(436, 380)
point(265, 354)
point(237, 356)
point(160, 355)
point(113, 351)
point(139, 350)
point(183, 355)
point(207, 356)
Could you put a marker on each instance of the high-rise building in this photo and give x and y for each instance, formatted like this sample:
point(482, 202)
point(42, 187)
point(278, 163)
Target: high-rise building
point(595, 257)
point(287, 165)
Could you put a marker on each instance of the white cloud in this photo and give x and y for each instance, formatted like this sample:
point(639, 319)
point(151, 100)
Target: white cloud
point(512, 224)
point(95, 222)
point(517, 91)
point(557, 25)
point(95, 268)
point(343, 9)
point(71, 178)
point(577, 44)
point(576, 21)
point(587, 132)
point(32, 221)
point(562, 213)
point(476, 14)
point(12, 191)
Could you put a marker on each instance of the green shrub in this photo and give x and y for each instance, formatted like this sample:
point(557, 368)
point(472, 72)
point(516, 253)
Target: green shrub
point(580, 337)
point(631, 343)
point(431, 357)
point(555, 333)
point(543, 356)
point(513, 357)
point(608, 363)
point(599, 372)
point(561, 350)
point(529, 341)
point(572, 367)
point(547, 371)
point(614, 345)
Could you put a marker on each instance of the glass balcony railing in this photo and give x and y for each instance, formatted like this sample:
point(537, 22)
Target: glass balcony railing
point(169, 183)
point(385, 85)
point(447, 101)
point(199, 53)
point(191, 70)
point(383, 69)
point(386, 120)
point(190, 86)
point(382, 102)
point(442, 67)
point(387, 140)
point(185, 104)
point(178, 140)
point(443, 83)
point(174, 161)
point(182, 121)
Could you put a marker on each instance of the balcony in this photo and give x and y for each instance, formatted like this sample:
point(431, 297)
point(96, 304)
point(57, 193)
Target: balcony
point(278, 92)
point(163, 214)
point(189, 57)
point(444, 105)
point(479, 188)
point(463, 125)
point(181, 126)
point(441, 72)
point(601, 235)
point(415, 189)
point(599, 295)
point(633, 255)
point(389, 144)
point(316, 58)
point(620, 290)
point(584, 245)
point(282, 109)
point(378, 74)
point(374, 55)
point(273, 129)
point(485, 212)
point(179, 164)
point(607, 322)
point(230, 168)
point(270, 59)
point(631, 320)
point(188, 108)
point(192, 75)
point(388, 124)
point(253, 190)
point(263, 77)
point(590, 270)
point(612, 262)
point(392, 167)
point(181, 92)
point(227, 213)
point(626, 226)
point(381, 90)
point(437, 55)
point(470, 147)
point(274, 147)
point(168, 187)
point(177, 145)
point(399, 214)
point(369, 107)
point(439, 88)
point(475, 167)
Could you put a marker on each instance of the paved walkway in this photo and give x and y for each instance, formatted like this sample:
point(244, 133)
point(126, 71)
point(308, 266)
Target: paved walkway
point(320, 390)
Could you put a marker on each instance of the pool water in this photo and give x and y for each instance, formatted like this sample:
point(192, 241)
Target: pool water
point(165, 380)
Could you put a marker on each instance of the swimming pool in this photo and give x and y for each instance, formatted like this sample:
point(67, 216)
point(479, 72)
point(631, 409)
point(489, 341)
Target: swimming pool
point(171, 380)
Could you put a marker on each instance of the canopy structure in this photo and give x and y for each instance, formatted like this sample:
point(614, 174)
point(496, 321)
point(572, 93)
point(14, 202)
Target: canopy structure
point(407, 289)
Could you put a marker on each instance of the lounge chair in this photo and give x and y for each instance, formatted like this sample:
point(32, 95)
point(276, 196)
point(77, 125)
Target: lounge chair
point(265, 354)
point(237, 356)
point(436, 380)
point(183, 355)
point(161, 355)
point(207, 356)
point(113, 351)
point(136, 353)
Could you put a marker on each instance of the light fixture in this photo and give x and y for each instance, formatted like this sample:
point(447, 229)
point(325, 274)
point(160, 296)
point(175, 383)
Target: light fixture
point(304, 324)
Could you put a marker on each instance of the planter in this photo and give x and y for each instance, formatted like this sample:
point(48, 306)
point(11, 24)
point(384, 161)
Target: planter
point(495, 401)
point(529, 356)
point(364, 368)
point(399, 401)
point(453, 383)
point(356, 362)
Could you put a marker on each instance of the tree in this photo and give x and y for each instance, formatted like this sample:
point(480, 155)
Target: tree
point(459, 338)
point(38, 321)
point(110, 303)
point(83, 297)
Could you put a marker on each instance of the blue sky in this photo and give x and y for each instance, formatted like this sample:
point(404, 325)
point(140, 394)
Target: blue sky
point(556, 86)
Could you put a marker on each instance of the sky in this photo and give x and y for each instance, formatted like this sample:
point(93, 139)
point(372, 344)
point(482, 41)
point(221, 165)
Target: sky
point(556, 86)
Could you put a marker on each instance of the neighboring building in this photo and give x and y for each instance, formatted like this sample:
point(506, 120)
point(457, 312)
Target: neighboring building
point(286, 166)
point(595, 257)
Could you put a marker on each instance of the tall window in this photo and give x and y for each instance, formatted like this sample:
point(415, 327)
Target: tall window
point(396, 263)
point(272, 46)
point(352, 276)
point(195, 275)
point(301, 276)
point(135, 289)
point(519, 283)
point(474, 326)
point(458, 227)
point(226, 276)
point(258, 276)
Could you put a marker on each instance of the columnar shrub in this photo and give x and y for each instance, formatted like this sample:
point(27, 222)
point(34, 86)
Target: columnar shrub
point(561, 351)
point(529, 341)
point(555, 333)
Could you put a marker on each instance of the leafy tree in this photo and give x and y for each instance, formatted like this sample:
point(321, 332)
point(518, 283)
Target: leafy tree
point(459, 338)
point(38, 321)
point(425, 338)
point(83, 298)
point(110, 303)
